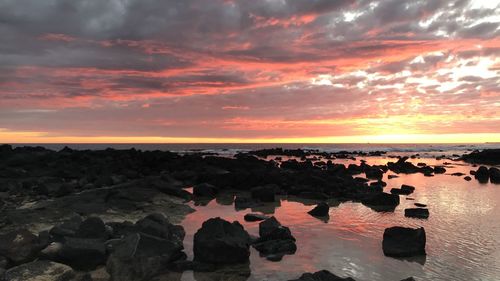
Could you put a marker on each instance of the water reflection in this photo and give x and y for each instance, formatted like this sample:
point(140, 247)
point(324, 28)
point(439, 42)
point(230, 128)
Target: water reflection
point(462, 232)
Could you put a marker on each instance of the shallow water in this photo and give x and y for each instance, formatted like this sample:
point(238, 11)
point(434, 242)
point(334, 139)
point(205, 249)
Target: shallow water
point(463, 232)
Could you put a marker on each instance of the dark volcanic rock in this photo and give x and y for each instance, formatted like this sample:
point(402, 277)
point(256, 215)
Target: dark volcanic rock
point(255, 217)
point(40, 271)
point(205, 190)
point(320, 210)
point(92, 227)
point(467, 178)
point(83, 253)
point(140, 256)
point(381, 201)
point(221, 242)
point(159, 226)
point(404, 242)
point(275, 240)
point(323, 275)
point(439, 170)
point(494, 175)
point(420, 213)
point(404, 190)
point(19, 246)
point(487, 156)
point(482, 174)
point(264, 193)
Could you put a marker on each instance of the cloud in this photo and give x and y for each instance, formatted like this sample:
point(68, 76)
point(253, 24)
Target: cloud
point(248, 68)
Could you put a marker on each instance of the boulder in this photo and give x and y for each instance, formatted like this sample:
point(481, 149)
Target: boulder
point(159, 226)
point(374, 173)
point(255, 217)
point(482, 174)
point(264, 193)
point(381, 201)
point(467, 178)
point(275, 240)
point(221, 242)
point(82, 253)
point(404, 190)
point(321, 210)
point(40, 271)
point(487, 156)
point(19, 246)
point(68, 228)
point(323, 275)
point(404, 242)
point(140, 256)
point(93, 228)
point(205, 190)
point(420, 213)
point(494, 175)
point(439, 170)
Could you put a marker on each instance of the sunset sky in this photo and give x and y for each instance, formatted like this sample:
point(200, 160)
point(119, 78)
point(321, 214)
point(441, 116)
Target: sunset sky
point(249, 71)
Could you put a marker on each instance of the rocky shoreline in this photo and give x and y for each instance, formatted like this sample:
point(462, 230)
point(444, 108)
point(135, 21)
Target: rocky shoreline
point(73, 215)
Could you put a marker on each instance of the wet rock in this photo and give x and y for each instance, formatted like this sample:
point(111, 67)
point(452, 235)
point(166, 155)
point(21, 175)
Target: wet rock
point(467, 178)
point(19, 246)
point(408, 279)
point(482, 174)
point(487, 156)
point(93, 228)
point(83, 253)
point(275, 240)
point(221, 242)
point(439, 170)
point(321, 210)
point(420, 205)
point(205, 190)
point(404, 190)
point(40, 271)
point(381, 201)
point(494, 175)
point(323, 275)
point(457, 174)
point(141, 256)
point(255, 217)
point(420, 213)
point(241, 203)
point(374, 173)
point(159, 226)
point(264, 193)
point(392, 176)
point(314, 195)
point(404, 242)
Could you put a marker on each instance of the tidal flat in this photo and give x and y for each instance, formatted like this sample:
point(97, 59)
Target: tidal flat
point(157, 215)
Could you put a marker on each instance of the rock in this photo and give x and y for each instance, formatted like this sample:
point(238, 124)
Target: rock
point(404, 242)
point(83, 253)
point(408, 279)
point(241, 203)
point(264, 193)
point(321, 210)
point(205, 190)
point(487, 156)
point(457, 174)
point(482, 174)
point(221, 242)
point(494, 175)
point(404, 190)
point(323, 275)
point(275, 240)
point(255, 217)
point(392, 176)
point(467, 178)
point(4, 263)
point(40, 271)
point(19, 246)
point(374, 173)
point(159, 226)
point(420, 205)
point(439, 170)
point(93, 228)
point(140, 256)
point(68, 228)
point(268, 226)
point(381, 201)
point(420, 213)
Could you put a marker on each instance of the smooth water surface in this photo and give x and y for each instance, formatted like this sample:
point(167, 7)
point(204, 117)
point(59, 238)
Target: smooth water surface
point(463, 232)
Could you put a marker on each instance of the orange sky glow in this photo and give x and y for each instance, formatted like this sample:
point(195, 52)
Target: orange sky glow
point(349, 71)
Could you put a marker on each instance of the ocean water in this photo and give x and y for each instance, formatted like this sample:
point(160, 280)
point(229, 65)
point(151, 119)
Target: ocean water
point(463, 230)
point(232, 148)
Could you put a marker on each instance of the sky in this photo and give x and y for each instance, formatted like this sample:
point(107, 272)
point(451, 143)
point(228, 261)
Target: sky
point(249, 71)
